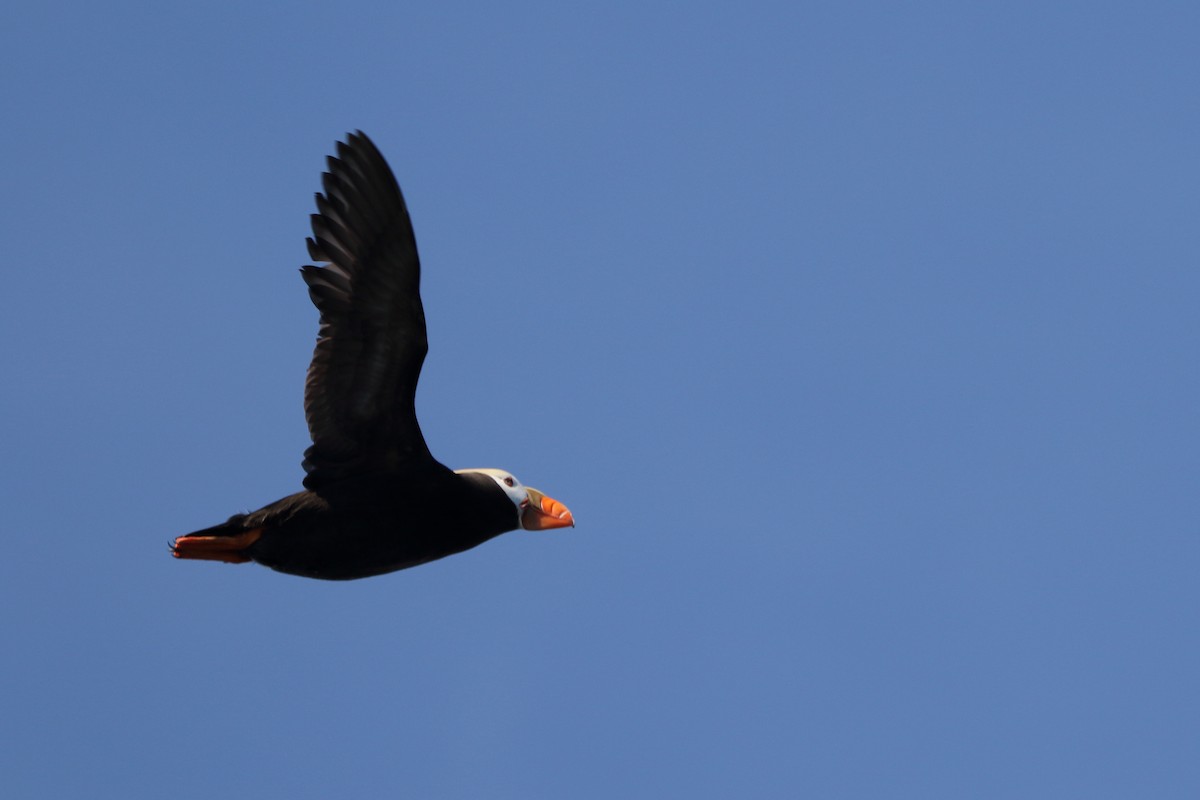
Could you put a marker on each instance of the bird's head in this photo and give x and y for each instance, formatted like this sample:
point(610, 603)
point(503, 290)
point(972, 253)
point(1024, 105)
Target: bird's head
point(537, 512)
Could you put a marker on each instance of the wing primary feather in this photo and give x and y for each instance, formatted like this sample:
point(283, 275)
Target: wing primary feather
point(314, 251)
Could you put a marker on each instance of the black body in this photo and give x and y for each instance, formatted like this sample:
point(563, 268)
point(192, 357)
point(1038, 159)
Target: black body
point(371, 525)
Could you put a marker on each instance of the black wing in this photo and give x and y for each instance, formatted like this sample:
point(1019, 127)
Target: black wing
point(360, 390)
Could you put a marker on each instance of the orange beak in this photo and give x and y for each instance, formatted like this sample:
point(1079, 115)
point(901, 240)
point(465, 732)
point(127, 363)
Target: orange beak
point(543, 513)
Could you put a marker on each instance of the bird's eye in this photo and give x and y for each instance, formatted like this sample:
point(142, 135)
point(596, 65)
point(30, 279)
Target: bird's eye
point(508, 481)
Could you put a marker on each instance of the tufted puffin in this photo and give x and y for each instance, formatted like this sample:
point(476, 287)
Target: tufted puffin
point(374, 499)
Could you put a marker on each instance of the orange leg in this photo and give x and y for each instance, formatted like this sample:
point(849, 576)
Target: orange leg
point(216, 548)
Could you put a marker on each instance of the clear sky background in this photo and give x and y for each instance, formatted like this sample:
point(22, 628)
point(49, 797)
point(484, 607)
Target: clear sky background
point(860, 338)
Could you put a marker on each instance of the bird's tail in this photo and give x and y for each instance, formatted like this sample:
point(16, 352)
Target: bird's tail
point(226, 542)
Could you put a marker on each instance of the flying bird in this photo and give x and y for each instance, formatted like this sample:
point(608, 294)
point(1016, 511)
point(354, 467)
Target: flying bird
point(375, 500)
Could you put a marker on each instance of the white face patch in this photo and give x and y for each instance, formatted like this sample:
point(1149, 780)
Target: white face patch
point(506, 481)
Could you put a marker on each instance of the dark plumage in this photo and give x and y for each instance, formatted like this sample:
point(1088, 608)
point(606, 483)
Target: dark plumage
point(375, 499)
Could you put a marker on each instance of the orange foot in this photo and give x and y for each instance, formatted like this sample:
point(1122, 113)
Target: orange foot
point(216, 548)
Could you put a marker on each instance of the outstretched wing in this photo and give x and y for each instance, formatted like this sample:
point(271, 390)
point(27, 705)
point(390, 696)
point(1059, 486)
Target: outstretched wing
point(360, 390)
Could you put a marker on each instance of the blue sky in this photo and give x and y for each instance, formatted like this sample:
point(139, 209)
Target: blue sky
point(859, 337)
